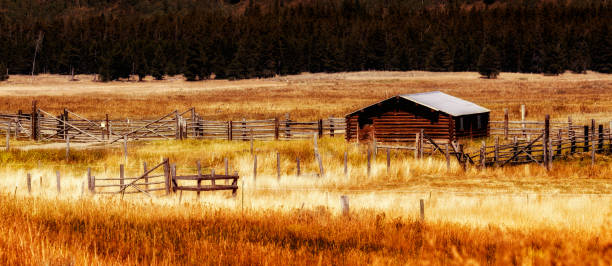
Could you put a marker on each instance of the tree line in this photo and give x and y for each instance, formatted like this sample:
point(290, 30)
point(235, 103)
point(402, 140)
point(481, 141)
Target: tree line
point(235, 40)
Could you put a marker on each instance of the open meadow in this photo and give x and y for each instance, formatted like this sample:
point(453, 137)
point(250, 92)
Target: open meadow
point(519, 215)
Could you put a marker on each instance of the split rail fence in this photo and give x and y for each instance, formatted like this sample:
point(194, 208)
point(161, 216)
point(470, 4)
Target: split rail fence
point(41, 125)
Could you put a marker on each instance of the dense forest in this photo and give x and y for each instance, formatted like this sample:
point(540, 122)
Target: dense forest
point(243, 39)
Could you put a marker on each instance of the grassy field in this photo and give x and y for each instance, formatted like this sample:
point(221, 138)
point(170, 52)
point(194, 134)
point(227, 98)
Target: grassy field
point(312, 96)
point(512, 215)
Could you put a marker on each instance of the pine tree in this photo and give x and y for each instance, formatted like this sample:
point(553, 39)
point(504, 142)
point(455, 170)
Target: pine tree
point(157, 68)
point(439, 59)
point(488, 62)
point(3, 72)
point(192, 64)
point(578, 58)
point(602, 51)
point(554, 61)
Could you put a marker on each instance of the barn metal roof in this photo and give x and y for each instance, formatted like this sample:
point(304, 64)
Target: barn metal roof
point(445, 103)
point(439, 101)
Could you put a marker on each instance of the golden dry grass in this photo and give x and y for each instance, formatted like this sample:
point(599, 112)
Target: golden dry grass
point(312, 96)
point(513, 215)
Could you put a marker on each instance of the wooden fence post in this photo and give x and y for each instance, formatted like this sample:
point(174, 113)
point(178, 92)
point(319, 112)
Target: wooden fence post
point(571, 133)
point(545, 141)
point(345, 164)
point(287, 128)
point(251, 141)
point(29, 181)
point(167, 175)
point(58, 181)
point(320, 127)
point(125, 148)
point(559, 142)
point(523, 119)
point(229, 130)
point(193, 123)
point(331, 126)
point(254, 167)
point(65, 120)
point(34, 120)
point(569, 127)
point(345, 205)
point(67, 148)
point(496, 152)
point(177, 124)
point(416, 146)
point(600, 139)
point(586, 139)
point(422, 209)
point(212, 177)
point(89, 183)
point(8, 135)
point(16, 132)
point(121, 176)
point(278, 168)
point(321, 169)
point(244, 129)
point(298, 165)
point(483, 156)
point(317, 155)
point(388, 160)
point(107, 128)
point(610, 136)
point(172, 177)
point(226, 168)
point(593, 149)
point(447, 157)
point(146, 176)
point(421, 142)
point(199, 168)
point(506, 123)
point(276, 128)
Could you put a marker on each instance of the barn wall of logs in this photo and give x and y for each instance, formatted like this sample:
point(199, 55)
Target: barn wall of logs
point(400, 121)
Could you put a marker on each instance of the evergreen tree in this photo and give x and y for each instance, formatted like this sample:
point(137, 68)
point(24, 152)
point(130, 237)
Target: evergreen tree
point(578, 58)
point(488, 62)
point(439, 59)
point(157, 68)
point(3, 72)
point(554, 60)
point(193, 64)
point(602, 51)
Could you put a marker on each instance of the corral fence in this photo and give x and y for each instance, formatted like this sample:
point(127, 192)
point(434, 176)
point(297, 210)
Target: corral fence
point(41, 125)
point(159, 180)
point(553, 141)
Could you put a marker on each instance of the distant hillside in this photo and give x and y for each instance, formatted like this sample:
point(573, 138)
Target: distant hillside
point(241, 39)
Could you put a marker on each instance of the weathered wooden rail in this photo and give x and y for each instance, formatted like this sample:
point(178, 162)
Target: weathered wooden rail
point(161, 179)
point(179, 181)
point(41, 125)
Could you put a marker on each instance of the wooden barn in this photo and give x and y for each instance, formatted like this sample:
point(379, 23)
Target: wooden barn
point(399, 118)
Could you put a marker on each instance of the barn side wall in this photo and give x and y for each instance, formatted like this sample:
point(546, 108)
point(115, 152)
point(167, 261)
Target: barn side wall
point(403, 126)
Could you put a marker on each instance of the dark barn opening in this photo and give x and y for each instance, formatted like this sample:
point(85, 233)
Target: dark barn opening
point(400, 118)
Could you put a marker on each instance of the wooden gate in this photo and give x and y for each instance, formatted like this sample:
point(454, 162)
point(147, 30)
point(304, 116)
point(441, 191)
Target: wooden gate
point(152, 180)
